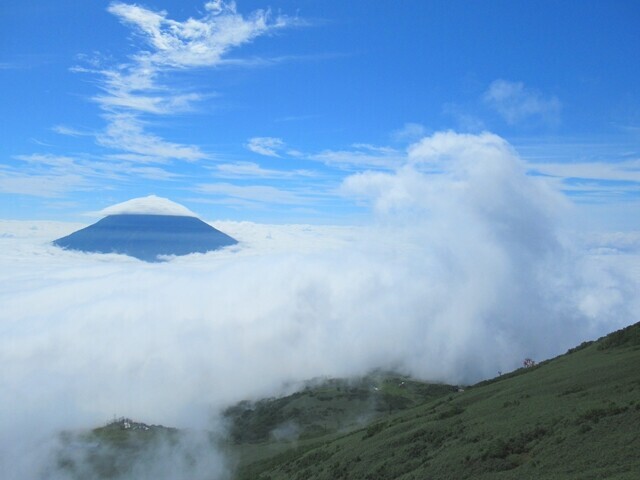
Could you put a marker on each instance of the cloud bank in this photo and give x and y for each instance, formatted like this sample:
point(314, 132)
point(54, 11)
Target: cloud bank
point(464, 271)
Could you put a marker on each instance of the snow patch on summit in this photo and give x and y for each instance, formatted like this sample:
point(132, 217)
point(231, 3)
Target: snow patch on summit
point(151, 205)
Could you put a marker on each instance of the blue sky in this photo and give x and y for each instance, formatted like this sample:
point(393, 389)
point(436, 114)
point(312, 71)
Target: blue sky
point(261, 110)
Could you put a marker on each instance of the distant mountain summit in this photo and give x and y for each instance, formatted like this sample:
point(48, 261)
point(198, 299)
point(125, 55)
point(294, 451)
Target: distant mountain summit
point(145, 228)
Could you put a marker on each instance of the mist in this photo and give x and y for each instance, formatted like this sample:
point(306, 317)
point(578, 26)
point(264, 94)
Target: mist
point(465, 268)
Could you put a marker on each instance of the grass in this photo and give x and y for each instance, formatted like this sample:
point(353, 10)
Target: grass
point(110, 451)
point(576, 416)
point(328, 406)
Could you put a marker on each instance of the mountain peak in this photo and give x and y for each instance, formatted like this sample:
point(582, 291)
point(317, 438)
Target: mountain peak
point(147, 228)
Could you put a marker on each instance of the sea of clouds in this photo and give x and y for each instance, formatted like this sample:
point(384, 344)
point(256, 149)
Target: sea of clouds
point(464, 270)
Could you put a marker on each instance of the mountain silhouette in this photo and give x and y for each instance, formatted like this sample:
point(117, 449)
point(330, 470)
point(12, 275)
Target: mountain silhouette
point(146, 236)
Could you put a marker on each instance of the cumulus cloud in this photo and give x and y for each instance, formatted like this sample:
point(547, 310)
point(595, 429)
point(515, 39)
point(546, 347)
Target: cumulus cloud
point(517, 103)
point(464, 271)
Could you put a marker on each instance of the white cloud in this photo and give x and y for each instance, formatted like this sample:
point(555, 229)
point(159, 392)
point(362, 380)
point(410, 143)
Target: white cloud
point(472, 257)
point(253, 170)
point(132, 89)
point(477, 174)
point(268, 146)
point(163, 105)
point(409, 132)
point(150, 205)
point(262, 194)
point(195, 42)
point(40, 185)
point(517, 103)
point(361, 156)
point(357, 156)
point(153, 173)
point(46, 175)
point(72, 132)
point(625, 171)
point(126, 132)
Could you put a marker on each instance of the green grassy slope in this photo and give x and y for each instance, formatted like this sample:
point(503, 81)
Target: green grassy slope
point(320, 412)
point(576, 416)
point(328, 406)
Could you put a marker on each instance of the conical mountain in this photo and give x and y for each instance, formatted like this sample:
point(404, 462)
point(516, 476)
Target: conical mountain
point(146, 228)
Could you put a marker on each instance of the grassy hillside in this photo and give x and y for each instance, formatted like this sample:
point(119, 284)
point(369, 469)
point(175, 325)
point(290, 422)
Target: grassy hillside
point(576, 416)
point(113, 450)
point(328, 406)
point(322, 411)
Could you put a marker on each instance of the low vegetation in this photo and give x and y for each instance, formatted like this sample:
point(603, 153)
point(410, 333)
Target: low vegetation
point(328, 406)
point(575, 416)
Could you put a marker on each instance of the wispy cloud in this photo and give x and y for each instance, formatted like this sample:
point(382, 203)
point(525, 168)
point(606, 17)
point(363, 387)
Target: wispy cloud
point(40, 185)
point(516, 103)
point(126, 132)
point(594, 181)
point(142, 87)
point(263, 194)
point(409, 132)
point(154, 173)
point(47, 175)
point(253, 170)
point(272, 61)
point(268, 146)
point(606, 168)
point(296, 118)
point(361, 155)
point(628, 171)
point(69, 131)
point(194, 42)
point(138, 87)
